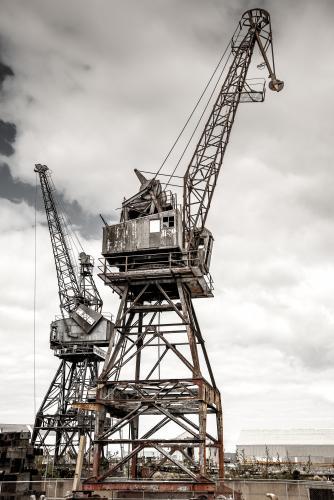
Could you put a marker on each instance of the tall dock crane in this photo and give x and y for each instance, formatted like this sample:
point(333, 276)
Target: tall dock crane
point(75, 338)
point(157, 380)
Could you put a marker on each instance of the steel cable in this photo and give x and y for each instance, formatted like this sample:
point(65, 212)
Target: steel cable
point(197, 124)
point(35, 290)
point(68, 230)
point(193, 111)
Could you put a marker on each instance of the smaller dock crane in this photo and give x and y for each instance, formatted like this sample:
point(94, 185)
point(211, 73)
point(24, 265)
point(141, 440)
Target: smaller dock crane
point(76, 338)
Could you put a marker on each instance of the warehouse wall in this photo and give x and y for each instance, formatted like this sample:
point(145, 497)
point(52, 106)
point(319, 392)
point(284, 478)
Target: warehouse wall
point(318, 453)
point(285, 490)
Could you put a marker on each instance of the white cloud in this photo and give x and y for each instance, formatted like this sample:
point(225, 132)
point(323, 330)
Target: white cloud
point(101, 90)
point(17, 269)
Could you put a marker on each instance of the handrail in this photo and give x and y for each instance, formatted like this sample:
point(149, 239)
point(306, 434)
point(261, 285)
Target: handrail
point(165, 260)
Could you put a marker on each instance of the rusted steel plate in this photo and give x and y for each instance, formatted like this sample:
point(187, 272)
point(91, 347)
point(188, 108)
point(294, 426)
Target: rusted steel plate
point(151, 486)
point(88, 406)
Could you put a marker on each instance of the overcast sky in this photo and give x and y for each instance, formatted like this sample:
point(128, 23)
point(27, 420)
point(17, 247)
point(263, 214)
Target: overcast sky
point(97, 88)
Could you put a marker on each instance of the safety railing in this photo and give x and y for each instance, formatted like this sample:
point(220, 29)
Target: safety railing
point(254, 90)
point(167, 260)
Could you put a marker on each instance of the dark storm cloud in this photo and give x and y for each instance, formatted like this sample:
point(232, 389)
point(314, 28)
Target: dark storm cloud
point(17, 191)
point(101, 90)
point(7, 138)
point(5, 71)
point(7, 129)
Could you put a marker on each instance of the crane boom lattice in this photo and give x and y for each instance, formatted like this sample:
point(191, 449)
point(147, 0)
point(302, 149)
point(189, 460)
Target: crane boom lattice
point(68, 287)
point(201, 176)
point(76, 338)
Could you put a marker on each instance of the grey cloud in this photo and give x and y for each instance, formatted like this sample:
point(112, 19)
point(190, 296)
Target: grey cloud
point(108, 90)
point(5, 71)
point(7, 138)
point(15, 190)
point(88, 224)
point(7, 129)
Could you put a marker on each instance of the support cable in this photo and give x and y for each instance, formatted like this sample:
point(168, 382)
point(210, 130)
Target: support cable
point(198, 122)
point(35, 289)
point(195, 108)
point(71, 234)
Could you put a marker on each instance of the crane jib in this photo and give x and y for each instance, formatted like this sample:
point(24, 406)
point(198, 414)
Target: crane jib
point(202, 173)
point(68, 287)
point(72, 291)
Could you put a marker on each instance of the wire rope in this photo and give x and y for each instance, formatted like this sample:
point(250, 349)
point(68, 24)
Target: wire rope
point(195, 107)
point(198, 123)
point(35, 294)
point(69, 232)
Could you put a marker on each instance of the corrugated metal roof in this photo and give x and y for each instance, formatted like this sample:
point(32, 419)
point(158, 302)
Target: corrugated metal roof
point(15, 428)
point(286, 436)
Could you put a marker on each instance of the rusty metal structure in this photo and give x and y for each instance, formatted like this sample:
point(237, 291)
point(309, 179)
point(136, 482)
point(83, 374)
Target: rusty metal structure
point(157, 380)
point(76, 339)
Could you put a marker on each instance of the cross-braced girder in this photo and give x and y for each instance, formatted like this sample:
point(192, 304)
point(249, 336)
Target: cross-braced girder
point(68, 287)
point(202, 173)
point(156, 339)
point(58, 426)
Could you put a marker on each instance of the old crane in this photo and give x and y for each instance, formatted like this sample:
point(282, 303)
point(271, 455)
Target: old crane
point(76, 338)
point(157, 381)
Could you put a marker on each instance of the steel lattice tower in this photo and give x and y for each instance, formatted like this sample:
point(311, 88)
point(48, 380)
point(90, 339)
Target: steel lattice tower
point(75, 339)
point(157, 380)
point(58, 426)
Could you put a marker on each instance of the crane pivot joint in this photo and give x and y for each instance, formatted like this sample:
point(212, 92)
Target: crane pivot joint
point(40, 169)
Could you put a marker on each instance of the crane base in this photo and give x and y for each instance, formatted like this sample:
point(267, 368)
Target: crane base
point(159, 489)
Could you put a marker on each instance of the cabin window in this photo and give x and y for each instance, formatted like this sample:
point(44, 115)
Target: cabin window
point(201, 244)
point(155, 226)
point(168, 221)
point(209, 251)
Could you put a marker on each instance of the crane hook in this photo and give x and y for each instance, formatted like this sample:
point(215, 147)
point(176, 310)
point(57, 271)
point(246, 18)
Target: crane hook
point(276, 85)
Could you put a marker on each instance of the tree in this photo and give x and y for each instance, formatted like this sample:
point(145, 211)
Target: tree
point(267, 462)
point(288, 463)
point(278, 461)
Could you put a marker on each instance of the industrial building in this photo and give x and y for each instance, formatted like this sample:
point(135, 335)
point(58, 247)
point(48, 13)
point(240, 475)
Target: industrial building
point(296, 445)
point(17, 461)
